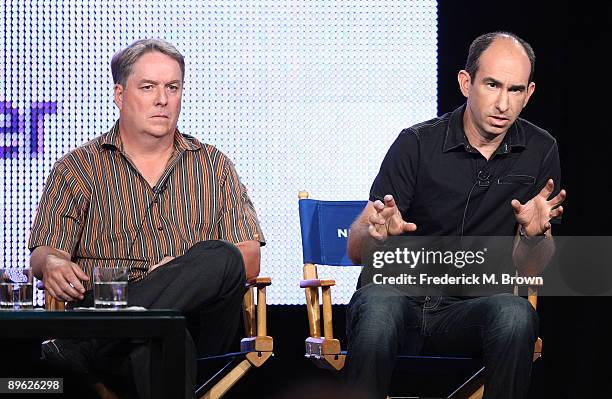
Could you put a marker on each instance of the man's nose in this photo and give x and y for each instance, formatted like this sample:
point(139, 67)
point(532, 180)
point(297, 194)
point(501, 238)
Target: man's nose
point(162, 97)
point(503, 101)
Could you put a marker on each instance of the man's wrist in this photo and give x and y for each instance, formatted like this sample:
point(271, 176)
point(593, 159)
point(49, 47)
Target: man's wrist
point(530, 240)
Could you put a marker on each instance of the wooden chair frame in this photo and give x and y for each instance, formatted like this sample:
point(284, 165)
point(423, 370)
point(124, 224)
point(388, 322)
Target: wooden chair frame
point(255, 349)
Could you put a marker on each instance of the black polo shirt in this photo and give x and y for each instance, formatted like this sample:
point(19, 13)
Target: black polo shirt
point(445, 186)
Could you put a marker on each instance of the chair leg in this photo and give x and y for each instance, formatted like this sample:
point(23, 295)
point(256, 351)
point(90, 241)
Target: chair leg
point(473, 388)
point(103, 392)
point(228, 381)
point(478, 394)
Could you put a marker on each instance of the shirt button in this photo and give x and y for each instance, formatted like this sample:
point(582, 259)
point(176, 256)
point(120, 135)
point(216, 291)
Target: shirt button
point(160, 228)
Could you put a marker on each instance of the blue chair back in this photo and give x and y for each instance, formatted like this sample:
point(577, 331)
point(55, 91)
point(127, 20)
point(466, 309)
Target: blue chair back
point(325, 227)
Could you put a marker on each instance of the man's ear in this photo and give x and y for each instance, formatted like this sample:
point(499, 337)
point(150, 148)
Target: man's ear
point(530, 90)
point(118, 95)
point(464, 79)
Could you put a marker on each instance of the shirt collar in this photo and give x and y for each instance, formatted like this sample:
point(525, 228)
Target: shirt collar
point(455, 136)
point(111, 140)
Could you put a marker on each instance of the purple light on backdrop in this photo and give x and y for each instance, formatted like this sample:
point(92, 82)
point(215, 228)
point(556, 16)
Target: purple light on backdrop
point(16, 127)
point(37, 114)
point(6, 109)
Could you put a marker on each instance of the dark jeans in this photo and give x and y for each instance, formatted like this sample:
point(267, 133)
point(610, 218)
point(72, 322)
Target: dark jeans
point(382, 323)
point(207, 285)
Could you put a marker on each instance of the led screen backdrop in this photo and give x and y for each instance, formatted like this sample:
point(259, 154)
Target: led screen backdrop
point(300, 95)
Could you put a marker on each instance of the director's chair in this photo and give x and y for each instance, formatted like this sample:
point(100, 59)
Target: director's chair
point(323, 225)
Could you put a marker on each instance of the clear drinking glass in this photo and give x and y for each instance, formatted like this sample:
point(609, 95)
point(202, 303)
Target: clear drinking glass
point(16, 288)
point(110, 287)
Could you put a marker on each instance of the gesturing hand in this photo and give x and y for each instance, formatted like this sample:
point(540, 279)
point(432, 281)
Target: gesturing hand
point(534, 216)
point(387, 220)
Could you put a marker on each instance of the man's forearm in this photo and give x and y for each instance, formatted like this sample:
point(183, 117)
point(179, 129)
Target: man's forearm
point(251, 256)
point(531, 258)
point(358, 238)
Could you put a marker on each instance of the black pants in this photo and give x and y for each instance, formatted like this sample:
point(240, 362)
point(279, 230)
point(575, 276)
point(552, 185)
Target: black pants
point(382, 323)
point(207, 285)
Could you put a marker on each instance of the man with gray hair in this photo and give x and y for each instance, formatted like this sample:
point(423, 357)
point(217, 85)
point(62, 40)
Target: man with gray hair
point(147, 197)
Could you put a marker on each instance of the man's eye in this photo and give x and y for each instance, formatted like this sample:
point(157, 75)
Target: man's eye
point(147, 87)
point(173, 87)
point(492, 85)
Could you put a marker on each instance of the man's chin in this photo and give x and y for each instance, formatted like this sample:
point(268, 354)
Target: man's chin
point(494, 130)
point(161, 130)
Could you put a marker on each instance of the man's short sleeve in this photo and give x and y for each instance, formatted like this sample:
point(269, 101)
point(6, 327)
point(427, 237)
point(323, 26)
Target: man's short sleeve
point(61, 212)
point(238, 220)
point(398, 172)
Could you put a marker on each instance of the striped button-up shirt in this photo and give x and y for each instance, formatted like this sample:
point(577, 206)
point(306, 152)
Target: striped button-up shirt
point(99, 208)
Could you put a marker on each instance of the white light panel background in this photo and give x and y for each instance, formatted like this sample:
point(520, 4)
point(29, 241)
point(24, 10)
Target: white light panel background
point(300, 95)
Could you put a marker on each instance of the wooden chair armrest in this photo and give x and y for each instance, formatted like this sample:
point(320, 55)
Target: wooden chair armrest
point(53, 304)
point(317, 283)
point(259, 282)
